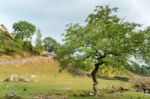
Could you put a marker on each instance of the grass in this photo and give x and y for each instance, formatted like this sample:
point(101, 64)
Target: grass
point(49, 81)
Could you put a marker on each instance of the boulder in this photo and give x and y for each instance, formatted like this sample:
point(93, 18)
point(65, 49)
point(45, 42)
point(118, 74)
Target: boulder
point(23, 79)
point(14, 78)
point(10, 95)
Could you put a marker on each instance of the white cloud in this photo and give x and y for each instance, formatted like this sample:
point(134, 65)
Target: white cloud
point(51, 16)
point(142, 11)
point(6, 21)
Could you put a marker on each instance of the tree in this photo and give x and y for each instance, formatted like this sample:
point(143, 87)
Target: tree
point(105, 39)
point(27, 46)
point(6, 39)
point(50, 44)
point(39, 45)
point(146, 48)
point(23, 31)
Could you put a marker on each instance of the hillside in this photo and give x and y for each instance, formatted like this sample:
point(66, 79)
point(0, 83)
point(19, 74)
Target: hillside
point(48, 81)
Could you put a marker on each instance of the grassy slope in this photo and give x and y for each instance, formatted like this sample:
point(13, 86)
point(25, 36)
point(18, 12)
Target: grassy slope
point(50, 81)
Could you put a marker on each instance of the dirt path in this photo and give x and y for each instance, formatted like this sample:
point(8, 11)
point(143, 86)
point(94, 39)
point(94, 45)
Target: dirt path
point(23, 60)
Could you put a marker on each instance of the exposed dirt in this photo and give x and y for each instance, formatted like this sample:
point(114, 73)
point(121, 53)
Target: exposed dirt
point(23, 60)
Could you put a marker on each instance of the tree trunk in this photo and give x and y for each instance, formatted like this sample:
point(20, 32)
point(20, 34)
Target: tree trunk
point(94, 72)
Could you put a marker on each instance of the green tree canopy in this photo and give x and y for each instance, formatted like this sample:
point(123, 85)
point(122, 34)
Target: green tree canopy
point(23, 30)
point(50, 44)
point(105, 39)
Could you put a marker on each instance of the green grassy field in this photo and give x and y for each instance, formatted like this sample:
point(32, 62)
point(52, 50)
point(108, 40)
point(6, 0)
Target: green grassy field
point(49, 82)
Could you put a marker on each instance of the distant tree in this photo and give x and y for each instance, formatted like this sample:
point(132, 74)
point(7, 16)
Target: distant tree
point(50, 44)
point(39, 45)
point(105, 39)
point(23, 31)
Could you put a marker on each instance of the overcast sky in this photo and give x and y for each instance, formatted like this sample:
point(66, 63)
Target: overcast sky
point(51, 16)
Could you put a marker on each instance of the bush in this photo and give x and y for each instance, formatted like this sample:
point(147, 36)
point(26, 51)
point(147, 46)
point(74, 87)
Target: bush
point(27, 46)
point(9, 50)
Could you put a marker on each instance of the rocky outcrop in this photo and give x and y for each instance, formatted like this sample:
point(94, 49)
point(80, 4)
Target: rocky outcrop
point(14, 78)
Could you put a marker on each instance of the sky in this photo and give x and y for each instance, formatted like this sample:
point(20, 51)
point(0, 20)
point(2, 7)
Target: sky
point(52, 16)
